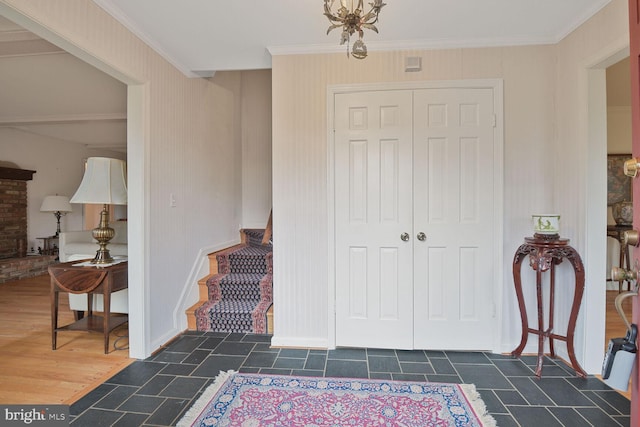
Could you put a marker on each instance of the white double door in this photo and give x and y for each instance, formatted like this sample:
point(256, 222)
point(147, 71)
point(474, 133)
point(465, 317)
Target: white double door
point(414, 220)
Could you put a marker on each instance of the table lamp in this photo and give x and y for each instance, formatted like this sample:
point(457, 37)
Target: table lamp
point(59, 205)
point(104, 182)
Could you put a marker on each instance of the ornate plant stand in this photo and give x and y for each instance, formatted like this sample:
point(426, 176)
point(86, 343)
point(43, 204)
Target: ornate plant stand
point(545, 252)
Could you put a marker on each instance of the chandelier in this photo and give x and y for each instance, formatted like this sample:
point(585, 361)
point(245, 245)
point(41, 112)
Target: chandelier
point(353, 20)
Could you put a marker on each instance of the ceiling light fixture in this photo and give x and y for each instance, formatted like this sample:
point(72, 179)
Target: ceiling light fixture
point(352, 20)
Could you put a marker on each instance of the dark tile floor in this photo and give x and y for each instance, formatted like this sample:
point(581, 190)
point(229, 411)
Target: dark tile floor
point(157, 391)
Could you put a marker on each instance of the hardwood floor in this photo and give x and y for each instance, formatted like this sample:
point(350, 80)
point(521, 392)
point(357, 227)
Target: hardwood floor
point(30, 371)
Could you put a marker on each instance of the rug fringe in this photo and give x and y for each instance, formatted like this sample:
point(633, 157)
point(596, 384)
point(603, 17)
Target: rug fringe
point(478, 405)
point(204, 399)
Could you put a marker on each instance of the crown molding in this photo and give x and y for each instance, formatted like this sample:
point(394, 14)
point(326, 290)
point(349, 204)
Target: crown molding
point(59, 119)
point(401, 45)
point(17, 36)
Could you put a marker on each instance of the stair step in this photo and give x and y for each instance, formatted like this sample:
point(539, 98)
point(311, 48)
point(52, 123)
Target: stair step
point(236, 278)
point(253, 236)
point(203, 289)
point(234, 307)
point(192, 323)
point(213, 257)
point(246, 259)
point(270, 320)
point(240, 286)
point(238, 326)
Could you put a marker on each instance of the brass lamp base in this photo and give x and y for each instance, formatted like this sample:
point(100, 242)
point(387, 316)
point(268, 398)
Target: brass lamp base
point(103, 234)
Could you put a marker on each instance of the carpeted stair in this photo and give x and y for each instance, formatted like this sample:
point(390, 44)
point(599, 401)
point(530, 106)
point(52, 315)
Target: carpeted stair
point(241, 293)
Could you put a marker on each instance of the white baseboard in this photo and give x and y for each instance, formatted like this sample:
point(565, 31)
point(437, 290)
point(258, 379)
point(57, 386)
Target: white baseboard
point(298, 342)
point(160, 342)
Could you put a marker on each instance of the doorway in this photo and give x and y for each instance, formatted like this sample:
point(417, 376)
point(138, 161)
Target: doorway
point(618, 87)
point(593, 310)
point(137, 117)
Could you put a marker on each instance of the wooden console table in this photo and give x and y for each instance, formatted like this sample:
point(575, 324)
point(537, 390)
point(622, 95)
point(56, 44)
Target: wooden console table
point(545, 252)
point(89, 280)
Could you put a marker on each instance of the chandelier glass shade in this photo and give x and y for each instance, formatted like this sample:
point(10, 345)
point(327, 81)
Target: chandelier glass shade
point(353, 21)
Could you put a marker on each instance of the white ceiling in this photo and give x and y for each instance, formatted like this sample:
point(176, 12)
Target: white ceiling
point(202, 36)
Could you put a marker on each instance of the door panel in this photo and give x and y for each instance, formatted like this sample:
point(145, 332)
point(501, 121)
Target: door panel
point(357, 284)
point(389, 286)
point(373, 205)
point(434, 157)
point(469, 172)
point(437, 297)
point(358, 172)
point(453, 206)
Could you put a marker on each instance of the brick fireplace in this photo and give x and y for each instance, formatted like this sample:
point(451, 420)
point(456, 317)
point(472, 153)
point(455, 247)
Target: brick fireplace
point(13, 227)
point(13, 209)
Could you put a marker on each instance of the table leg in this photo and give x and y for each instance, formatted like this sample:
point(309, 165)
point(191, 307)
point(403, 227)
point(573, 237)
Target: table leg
point(106, 305)
point(517, 280)
point(574, 258)
point(552, 298)
point(54, 315)
point(540, 324)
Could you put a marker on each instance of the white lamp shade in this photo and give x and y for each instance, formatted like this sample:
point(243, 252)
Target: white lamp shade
point(56, 204)
point(104, 182)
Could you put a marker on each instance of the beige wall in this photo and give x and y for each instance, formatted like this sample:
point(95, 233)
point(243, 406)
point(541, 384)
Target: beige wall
point(619, 107)
point(545, 160)
point(619, 130)
point(256, 148)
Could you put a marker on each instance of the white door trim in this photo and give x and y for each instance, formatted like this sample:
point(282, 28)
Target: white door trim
point(499, 267)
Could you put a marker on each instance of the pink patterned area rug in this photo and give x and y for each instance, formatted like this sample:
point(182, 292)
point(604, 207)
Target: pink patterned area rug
point(252, 400)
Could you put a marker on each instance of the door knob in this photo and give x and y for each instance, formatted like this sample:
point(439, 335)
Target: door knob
point(404, 237)
point(631, 167)
point(631, 237)
point(421, 236)
point(619, 274)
